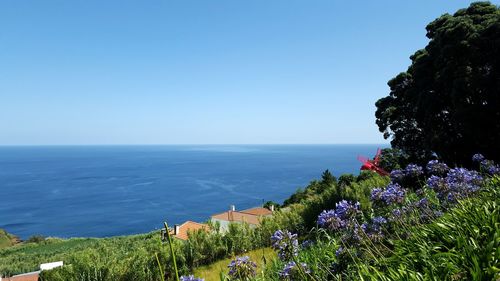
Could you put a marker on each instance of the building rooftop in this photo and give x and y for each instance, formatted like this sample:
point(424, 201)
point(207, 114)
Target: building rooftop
point(181, 231)
point(258, 211)
point(32, 276)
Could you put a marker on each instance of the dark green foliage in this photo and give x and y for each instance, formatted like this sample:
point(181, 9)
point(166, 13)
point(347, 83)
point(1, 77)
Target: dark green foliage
point(35, 239)
point(327, 179)
point(346, 180)
point(448, 101)
point(392, 159)
point(268, 205)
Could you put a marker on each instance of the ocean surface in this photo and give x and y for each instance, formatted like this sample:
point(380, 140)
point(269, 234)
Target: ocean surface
point(99, 191)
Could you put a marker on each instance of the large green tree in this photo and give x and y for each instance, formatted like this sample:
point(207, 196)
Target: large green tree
point(448, 101)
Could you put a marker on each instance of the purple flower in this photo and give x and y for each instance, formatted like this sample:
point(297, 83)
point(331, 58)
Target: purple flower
point(434, 167)
point(478, 157)
point(306, 244)
point(292, 272)
point(286, 244)
point(345, 209)
point(459, 183)
point(413, 171)
point(393, 193)
point(339, 251)
point(397, 176)
point(242, 268)
point(374, 229)
point(338, 218)
point(490, 167)
point(191, 278)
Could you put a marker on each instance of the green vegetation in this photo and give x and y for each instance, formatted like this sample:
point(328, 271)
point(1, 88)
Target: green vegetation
point(6, 239)
point(212, 272)
point(447, 102)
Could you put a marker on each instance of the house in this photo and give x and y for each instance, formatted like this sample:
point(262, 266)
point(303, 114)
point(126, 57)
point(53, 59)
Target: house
point(181, 231)
point(33, 276)
point(251, 216)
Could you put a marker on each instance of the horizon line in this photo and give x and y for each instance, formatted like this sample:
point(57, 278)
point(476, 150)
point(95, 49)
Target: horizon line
point(192, 144)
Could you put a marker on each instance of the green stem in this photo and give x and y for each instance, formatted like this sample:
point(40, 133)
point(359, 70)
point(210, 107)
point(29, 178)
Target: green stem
point(172, 252)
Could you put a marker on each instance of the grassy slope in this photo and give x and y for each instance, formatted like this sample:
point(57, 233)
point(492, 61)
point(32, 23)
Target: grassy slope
point(6, 239)
point(27, 257)
point(212, 272)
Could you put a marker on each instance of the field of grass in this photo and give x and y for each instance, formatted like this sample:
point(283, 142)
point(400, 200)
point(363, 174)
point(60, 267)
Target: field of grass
point(6, 239)
point(26, 257)
point(212, 272)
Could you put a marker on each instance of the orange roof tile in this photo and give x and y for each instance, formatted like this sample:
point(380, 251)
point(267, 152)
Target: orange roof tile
point(187, 227)
point(238, 217)
point(258, 211)
point(23, 277)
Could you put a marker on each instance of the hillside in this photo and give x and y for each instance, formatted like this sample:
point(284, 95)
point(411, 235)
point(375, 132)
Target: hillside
point(6, 239)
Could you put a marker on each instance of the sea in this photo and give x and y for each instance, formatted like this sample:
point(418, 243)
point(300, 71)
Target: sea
point(102, 191)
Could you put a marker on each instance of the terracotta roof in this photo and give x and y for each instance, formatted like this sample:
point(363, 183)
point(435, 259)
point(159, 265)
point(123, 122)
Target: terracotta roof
point(33, 276)
point(186, 227)
point(258, 211)
point(238, 217)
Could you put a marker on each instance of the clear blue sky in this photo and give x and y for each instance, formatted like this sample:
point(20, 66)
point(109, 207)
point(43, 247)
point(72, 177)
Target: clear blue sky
point(206, 71)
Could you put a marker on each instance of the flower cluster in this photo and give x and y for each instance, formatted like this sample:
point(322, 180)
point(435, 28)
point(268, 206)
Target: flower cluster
point(397, 175)
point(292, 271)
point(434, 167)
point(242, 268)
point(478, 157)
point(407, 177)
point(392, 194)
point(191, 278)
point(340, 217)
point(374, 229)
point(286, 244)
point(413, 171)
point(458, 183)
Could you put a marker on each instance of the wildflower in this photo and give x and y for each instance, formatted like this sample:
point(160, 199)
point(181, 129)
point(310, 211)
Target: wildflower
point(489, 167)
point(307, 244)
point(345, 209)
point(242, 268)
point(339, 251)
point(191, 278)
point(374, 229)
point(292, 272)
point(478, 157)
point(434, 167)
point(340, 217)
point(459, 183)
point(393, 194)
point(397, 176)
point(286, 244)
point(413, 171)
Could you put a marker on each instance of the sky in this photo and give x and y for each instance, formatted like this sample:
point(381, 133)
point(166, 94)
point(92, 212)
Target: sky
point(203, 72)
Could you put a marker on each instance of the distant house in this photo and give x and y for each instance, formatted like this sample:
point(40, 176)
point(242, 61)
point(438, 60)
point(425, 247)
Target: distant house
point(251, 216)
point(33, 276)
point(181, 231)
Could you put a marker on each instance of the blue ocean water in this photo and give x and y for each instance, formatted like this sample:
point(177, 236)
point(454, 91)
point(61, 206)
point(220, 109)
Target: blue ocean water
point(99, 191)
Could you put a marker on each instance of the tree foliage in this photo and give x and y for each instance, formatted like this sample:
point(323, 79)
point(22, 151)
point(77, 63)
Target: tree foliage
point(448, 101)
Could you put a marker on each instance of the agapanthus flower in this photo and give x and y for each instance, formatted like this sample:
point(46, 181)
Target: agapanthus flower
point(478, 157)
point(392, 194)
point(397, 176)
point(306, 244)
point(338, 218)
point(191, 278)
point(292, 272)
point(339, 251)
point(435, 167)
point(490, 167)
point(242, 268)
point(286, 244)
point(374, 229)
point(458, 183)
point(413, 171)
